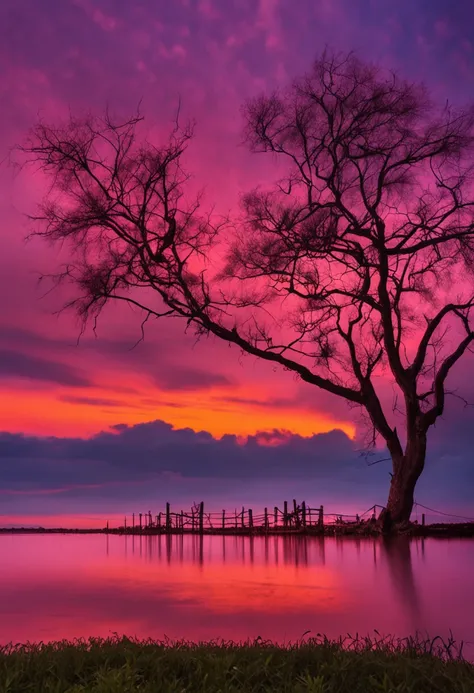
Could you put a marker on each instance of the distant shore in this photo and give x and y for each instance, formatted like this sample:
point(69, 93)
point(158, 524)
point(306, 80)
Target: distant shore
point(366, 529)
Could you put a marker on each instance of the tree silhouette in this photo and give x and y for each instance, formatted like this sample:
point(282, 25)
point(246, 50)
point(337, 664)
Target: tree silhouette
point(355, 265)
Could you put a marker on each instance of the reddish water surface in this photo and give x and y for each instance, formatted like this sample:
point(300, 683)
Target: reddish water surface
point(63, 586)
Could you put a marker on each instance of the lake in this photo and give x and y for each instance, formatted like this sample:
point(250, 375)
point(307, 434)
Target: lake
point(67, 586)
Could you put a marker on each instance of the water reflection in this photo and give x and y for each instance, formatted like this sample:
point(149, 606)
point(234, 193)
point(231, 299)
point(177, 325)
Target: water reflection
point(397, 553)
point(55, 586)
point(289, 550)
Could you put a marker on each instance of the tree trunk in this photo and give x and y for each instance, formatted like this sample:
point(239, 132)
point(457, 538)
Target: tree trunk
point(406, 472)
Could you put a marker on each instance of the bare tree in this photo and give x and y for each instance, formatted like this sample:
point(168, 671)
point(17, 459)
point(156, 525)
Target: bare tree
point(358, 260)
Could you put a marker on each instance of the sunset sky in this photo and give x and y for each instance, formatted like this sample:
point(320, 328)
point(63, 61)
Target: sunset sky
point(67, 56)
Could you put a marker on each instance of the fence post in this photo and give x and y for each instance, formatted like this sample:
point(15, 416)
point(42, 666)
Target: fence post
point(140, 517)
point(182, 521)
point(243, 517)
point(201, 517)
point(295, 511)
point(303, 513)
point(168, 517)
point(285, 514)
point(266, 519)
point(423, 519)
point(223, 519)
point(250, 519)
point(275, 518)
point(321, 516)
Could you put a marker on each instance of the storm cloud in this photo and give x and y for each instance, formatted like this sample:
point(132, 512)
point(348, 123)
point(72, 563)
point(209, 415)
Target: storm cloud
point(148, 450)
point(130, 460)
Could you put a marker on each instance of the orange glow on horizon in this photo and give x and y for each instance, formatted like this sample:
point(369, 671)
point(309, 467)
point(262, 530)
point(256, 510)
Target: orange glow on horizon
point(38, 412)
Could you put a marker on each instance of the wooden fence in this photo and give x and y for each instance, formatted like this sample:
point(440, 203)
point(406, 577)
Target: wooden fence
point(289, 519)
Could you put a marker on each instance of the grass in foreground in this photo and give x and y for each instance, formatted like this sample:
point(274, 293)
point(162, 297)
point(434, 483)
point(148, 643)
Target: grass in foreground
point(122, 665)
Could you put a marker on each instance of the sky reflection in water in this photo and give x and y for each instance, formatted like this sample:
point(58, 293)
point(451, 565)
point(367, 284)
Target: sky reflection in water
point(55, 587)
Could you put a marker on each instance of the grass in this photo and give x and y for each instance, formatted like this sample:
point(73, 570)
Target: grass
point(123, 665)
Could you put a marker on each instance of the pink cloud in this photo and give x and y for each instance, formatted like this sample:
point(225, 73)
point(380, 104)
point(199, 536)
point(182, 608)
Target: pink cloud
point(207, 9)
point(268, 20)
point(104, 20)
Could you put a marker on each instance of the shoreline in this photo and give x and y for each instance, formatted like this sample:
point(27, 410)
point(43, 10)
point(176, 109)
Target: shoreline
point(361, 530)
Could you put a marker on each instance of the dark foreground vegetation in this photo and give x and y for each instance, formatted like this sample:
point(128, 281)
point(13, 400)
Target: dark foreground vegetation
point(122, 665)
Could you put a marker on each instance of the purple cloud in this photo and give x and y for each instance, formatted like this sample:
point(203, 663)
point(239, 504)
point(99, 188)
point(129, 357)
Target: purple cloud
point(17, 365)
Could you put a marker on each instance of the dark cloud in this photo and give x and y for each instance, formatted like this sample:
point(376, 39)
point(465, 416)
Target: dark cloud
point(304, 399)
point(160, 360)
point(178, 378)
point(150, 459)
point(274, 403)
point(146, 451)
point(450, 464)
point(14, 336)
point(14, 364)
point(150, 402)
point(94, 401)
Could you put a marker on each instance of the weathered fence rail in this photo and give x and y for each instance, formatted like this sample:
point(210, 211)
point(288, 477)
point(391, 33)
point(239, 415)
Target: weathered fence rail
point(197, 520)
point(301, 519)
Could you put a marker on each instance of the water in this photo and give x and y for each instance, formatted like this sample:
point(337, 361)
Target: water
point(67, 586)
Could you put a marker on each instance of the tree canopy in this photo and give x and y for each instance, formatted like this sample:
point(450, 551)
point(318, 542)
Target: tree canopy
point(356, 263)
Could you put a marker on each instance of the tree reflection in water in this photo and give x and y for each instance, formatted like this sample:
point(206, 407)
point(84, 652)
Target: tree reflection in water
point(397, 553)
